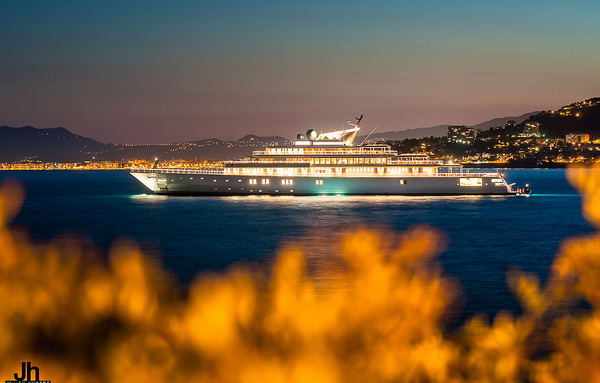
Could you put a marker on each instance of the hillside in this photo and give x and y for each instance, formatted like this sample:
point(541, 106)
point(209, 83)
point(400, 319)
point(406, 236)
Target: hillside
point(441, 130)
point(28, 144)
point(55, 144)
point(496, 122)
point(579, 117)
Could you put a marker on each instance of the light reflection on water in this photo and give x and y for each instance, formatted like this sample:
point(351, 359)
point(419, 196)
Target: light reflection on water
point(485, 235)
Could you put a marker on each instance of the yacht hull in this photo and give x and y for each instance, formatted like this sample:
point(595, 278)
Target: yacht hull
point(181, 182)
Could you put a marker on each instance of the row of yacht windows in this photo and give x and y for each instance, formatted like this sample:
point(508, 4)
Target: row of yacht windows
point(313, 150)
point(266, 181)
point(331, 170)
point(348, 161)
point(329, 160)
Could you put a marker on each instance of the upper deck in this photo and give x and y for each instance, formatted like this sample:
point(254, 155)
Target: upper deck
point(332, 149)
point(309, 150)
point(336, 149)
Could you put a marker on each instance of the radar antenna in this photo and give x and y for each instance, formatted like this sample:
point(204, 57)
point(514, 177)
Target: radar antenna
point(358, 119)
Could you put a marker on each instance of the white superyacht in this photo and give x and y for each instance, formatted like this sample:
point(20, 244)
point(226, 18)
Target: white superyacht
point(327, 164)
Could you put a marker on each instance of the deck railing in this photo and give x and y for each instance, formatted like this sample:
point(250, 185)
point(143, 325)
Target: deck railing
point(417, 162)
point(301, 161)
point(178, 171)
point(317, 151)
point(313, 174)
point(305, 161)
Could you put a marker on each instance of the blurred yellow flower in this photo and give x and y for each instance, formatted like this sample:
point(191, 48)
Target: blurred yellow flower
point(373, 313)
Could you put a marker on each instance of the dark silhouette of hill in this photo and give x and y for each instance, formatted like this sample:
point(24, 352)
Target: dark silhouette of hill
point(440, 130)
point(579, 117)
point(48, 145)
point(60, 145)
point(497, 122)
point(209, 149)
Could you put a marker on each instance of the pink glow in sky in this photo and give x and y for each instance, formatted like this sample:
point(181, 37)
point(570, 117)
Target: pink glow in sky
point(151, 72)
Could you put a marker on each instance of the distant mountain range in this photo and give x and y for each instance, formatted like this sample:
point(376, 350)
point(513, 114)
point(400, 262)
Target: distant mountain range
point(441, 130)
point(60, 145)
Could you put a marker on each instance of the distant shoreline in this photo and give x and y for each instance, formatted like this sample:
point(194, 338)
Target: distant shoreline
point(517, 165)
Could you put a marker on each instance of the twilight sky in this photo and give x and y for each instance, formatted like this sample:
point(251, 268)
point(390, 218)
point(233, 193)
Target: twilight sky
point(167, 71)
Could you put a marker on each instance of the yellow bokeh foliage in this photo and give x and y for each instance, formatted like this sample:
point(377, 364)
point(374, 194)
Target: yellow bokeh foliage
point(377, 311)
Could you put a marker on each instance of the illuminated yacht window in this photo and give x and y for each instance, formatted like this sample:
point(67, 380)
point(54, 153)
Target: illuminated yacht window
point(265, 181)
point(287, 182)
point(471, 181)
point(402, 182)
point(318, 182)
point(252, 181)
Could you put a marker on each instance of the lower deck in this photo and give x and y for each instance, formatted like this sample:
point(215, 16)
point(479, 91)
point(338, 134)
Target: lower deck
point(193, 183)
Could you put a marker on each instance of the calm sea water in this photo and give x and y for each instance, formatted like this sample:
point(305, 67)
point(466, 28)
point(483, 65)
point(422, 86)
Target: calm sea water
point(485, 235)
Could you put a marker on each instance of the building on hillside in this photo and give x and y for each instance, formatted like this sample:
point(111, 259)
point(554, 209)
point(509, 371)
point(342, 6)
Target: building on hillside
point(577, 138)
point(461, 134)
point(531, 129)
